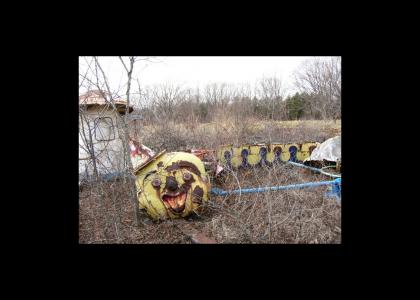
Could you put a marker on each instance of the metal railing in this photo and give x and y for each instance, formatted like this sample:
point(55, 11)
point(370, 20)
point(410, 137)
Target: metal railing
point(335, 184)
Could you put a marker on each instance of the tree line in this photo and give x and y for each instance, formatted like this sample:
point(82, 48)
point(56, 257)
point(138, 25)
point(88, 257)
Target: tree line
point(318, 96)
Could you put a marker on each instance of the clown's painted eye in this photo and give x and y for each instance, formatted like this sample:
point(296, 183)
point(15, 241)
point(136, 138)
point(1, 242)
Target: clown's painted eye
point(187, 176)
point(156, 182)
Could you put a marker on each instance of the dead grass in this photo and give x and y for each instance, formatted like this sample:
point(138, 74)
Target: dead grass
point(111, 219)
point(174, 136)
point(294, 216)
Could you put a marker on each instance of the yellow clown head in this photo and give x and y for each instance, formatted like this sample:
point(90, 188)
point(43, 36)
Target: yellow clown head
point(172, 185)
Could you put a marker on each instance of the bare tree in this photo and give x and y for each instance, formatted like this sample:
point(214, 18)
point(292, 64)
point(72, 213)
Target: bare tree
point(165, 98)
point(96, 76)
point(271, 91)
point(321, 80)
point(215, 94)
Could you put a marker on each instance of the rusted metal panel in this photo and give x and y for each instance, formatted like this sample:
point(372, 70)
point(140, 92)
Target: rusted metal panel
point(263, 154)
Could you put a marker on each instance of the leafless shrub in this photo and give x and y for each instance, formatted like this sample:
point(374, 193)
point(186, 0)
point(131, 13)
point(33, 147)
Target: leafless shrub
point(177, 119)
point(321, 80)
point(294, 216)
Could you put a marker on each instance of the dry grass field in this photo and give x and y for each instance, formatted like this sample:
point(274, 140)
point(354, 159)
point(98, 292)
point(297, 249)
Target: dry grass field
point(281, 217)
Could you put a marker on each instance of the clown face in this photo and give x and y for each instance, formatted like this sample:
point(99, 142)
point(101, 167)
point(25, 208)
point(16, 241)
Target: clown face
point(172, 186)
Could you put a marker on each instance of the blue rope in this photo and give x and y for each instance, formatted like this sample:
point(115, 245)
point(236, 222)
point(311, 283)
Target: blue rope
point(335, 183)
point(313, 169)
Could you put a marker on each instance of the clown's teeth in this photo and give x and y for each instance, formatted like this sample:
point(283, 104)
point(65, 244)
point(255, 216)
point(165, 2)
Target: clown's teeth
point(176, 201)
point(179, 200)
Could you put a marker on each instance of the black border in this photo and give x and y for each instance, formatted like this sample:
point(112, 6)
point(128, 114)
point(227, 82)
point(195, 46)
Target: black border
point(63, 209)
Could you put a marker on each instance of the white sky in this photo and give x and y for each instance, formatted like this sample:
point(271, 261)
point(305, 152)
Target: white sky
point(197, 71)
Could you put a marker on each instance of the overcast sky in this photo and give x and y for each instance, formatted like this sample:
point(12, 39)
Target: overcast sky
point(197, 71)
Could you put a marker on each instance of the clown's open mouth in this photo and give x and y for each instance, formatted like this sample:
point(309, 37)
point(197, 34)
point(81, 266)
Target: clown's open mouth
point(175, 202)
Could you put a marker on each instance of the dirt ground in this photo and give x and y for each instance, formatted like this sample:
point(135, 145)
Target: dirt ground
point(106, 214)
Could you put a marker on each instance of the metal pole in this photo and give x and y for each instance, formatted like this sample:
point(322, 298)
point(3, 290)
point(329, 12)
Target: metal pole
point(221, 192)
point(313, 169)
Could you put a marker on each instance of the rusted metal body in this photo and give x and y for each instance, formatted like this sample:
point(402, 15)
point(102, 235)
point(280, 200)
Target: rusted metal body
point(169, 185)
point(263, 154)
point(174, 185)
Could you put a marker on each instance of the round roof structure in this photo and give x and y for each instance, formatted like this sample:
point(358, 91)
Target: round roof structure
point(96, 97)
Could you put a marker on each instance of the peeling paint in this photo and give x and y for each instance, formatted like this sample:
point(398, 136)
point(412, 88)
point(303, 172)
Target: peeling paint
point(183, 185)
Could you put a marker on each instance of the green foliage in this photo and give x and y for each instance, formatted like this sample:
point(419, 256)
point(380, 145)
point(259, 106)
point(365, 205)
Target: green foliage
point(203, 111)
point(261, 108)
point(295, 106)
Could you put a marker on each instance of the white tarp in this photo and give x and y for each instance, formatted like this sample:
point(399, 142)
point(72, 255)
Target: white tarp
point(329, 150)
